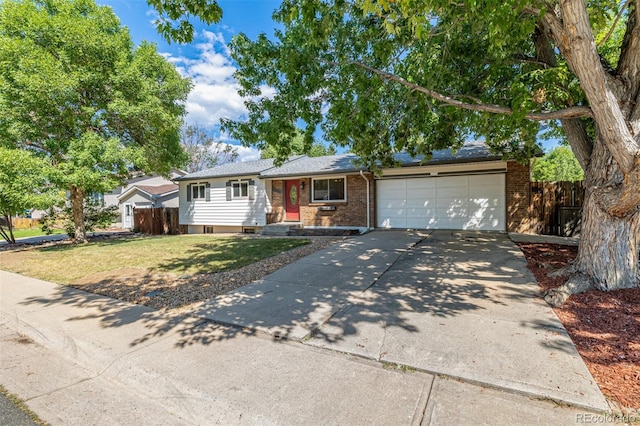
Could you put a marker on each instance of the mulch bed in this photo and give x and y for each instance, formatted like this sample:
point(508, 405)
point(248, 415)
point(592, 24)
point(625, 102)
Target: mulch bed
point(605, 327)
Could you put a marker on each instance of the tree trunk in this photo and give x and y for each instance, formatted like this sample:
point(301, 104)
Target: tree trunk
point(77, 210)
point(608, 250)
point(8, 236)
point(609, 243)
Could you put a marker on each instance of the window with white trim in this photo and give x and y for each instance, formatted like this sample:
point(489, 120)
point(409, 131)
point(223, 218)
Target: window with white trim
point(240, 189)
point(332, 189)
point(198, 191)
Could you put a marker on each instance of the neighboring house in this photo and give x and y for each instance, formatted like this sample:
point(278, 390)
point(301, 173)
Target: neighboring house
point(471, 189)
point(143, 192)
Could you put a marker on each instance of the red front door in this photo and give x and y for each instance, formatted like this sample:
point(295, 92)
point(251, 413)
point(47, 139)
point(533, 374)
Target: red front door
point(292, 200)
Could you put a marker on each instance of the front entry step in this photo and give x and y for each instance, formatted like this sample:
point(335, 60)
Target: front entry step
point(280, 229)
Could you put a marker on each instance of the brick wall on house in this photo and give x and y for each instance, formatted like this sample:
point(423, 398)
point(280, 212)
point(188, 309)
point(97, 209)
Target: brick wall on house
point(518, 197)
point(277, 202)
point(351, 213)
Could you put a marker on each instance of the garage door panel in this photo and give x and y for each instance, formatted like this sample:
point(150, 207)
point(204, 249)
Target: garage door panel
point(452, 203)
point(418, 203)
point(485, 203)
point(421, 193)
point(452, 182)
point(393, 204)
point(420, 183)
point(487, 191)
point(445, 202)
point(393, 184)
point(415, 212)
point(391, 221)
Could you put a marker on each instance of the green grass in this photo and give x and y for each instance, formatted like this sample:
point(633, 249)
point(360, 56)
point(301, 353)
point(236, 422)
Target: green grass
point(32, 232)
point(182, 255)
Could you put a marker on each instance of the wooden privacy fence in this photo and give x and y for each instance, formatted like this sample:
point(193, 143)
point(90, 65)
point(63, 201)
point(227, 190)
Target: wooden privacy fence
point(556, 208)
point(156, 221)
point(25, 223)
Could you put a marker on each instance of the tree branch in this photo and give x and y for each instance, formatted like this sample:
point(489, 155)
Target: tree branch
point(629, 63)
point(576, 44)
point(615, 23)
point(580, 142)
point(574, 128)
point(571, 112)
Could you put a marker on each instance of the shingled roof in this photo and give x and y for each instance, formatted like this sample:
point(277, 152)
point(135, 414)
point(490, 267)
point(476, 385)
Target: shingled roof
point(470, 151)
point(154, 191)
point(244, 168)
point(305, 166)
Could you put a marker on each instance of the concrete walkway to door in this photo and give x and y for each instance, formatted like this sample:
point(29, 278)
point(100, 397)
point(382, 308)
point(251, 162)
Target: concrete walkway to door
point(461, 304)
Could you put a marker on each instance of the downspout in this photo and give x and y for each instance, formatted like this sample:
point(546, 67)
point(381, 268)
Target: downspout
point(368, 201)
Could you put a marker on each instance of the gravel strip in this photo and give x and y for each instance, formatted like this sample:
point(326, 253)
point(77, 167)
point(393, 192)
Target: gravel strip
point(168, 291)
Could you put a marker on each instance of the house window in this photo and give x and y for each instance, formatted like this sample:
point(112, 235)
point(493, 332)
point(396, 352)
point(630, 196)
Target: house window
point(240, 189)
point(97, 198)
point(333, 189)
point(198, 191)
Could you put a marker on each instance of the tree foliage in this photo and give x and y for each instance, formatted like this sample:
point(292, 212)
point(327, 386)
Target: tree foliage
point(204, 151)
point(96, 216)
point(296, 146)
point(383, 76)
point(559, 165)
point(75, 90)
point(24, 185)
point(174, 17)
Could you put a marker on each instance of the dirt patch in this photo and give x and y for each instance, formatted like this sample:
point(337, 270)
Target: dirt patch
point(605, 327)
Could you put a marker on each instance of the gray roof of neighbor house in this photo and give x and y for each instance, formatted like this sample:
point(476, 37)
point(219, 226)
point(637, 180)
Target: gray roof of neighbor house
point(158, 189)
point(244, 168)
point(470, 151)
point(153, 191)
point(306, 166)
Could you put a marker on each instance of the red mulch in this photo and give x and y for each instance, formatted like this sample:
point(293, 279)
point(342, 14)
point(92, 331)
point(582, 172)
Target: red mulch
point(605, 327)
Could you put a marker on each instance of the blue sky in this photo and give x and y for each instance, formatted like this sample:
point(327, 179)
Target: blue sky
point(207, 61)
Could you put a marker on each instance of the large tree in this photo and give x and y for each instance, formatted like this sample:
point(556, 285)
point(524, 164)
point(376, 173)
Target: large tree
point(295, 146)
point(558, 165)
point(25, 184)
point(75, 90)
point(391, 75)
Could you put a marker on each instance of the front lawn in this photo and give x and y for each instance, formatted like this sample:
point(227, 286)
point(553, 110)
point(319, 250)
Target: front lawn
point(178, 255)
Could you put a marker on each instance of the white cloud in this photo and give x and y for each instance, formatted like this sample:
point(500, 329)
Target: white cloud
point(247, 154)
point(215, 91)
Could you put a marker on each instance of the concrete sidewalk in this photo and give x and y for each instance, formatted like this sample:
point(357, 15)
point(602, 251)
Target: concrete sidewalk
point(79, 358)
point(367, 311)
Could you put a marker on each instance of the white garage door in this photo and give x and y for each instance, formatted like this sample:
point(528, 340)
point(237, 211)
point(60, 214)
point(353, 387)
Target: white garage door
point(447, 202)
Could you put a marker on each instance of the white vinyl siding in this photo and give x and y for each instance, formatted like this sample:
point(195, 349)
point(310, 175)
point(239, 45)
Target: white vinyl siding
point(449, 202)
point(220, 212)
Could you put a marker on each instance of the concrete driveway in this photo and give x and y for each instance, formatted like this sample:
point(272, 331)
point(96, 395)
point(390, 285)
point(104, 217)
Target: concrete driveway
point(462, 304)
